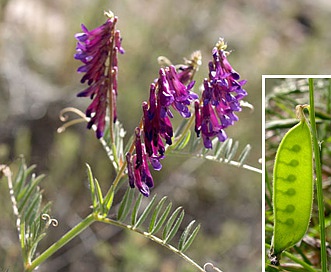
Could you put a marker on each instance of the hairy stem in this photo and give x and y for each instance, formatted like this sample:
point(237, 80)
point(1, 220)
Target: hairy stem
point(84, 224)
point(154, 239)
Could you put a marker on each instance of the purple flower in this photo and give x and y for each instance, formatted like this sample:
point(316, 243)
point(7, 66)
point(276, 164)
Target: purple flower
point(220, 98)
point(155, 128)
point(97, 49)
point(97, 110)
point(181, 93)
point(137, 165)
point(167, 91)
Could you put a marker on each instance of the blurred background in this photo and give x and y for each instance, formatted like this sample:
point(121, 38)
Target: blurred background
point(38, 79)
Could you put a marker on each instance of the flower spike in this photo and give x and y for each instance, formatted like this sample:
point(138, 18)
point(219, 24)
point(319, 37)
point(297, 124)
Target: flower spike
point(168, 90)
point(97, 49)
point(220, 98)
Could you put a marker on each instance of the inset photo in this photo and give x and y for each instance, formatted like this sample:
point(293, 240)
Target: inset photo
point(297, 172)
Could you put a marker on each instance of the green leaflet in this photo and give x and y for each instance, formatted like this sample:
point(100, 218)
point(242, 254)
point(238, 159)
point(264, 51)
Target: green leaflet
point(169, 226)
point(186, 238)
point(292, 188)
point(125, 205)
point(32, 216)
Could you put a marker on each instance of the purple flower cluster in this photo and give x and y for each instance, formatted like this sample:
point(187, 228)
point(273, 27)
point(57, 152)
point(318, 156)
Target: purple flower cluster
point(167, 91)
point(220, 98)
point(98, 49)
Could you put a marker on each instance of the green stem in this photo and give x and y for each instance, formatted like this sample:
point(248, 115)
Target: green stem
point(295, 259)
point(182, 136)
point(318, 170)
point(120, 172)
point(154, 239)
point(63, 241)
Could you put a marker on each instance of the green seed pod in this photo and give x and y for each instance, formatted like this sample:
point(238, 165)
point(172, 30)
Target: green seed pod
point(292, 188)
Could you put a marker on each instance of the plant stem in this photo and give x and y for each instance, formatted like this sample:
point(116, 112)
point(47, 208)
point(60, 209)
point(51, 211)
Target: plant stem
point(63, 241)
point(154, 239)
point(182, 135)
point(318, 171)
point(295, 259)
point(122, 168)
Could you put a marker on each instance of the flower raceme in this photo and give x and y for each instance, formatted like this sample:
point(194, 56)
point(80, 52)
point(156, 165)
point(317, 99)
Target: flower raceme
point(98, 49)
point(221, 97)
point(167, 91)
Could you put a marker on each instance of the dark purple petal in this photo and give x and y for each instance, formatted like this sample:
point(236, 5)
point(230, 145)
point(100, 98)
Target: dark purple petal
point(90, 91)
point(142, 187)
point(197, 127)
point(165, 96)
point(142, 176)
point(139, 152)
point(97, 111)
point(183, 110)
point(145, 170)
point(82, 69)
point(206, 141)
point(226, 121)
point(100, 127)
point(222, 135)
point(152, 100)
point(155, 162)
point(82, 37)
point(181, 93)
point(130, 169)
point(190, 86)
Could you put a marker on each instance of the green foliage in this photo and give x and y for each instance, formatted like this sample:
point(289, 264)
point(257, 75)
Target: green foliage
point(172, 226)
point(223, 152)
point(187, 237)
point(156, 220)
point(112, 142)
point(101, 205)
point(145, 213)
point(124, 208)
point(32, 216)
point(159, 220)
